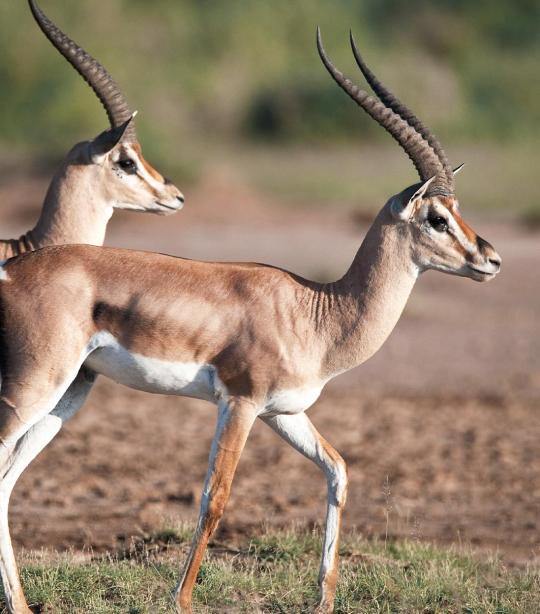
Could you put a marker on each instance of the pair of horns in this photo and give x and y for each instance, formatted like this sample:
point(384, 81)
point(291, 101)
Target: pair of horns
point(418, 142)
point(92, 72)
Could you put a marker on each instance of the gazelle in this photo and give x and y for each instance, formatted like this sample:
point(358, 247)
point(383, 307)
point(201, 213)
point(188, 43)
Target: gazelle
point(257, 341)
point(96, 176)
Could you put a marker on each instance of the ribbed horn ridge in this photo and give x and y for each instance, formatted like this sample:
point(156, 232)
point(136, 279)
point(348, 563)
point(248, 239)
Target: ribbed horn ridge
point(91, 71)
point(421, 153)
point(403, 111)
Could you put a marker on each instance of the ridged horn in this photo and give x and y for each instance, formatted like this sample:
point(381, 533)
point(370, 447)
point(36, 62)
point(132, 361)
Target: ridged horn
point(91, 71)
point(403, 111)
point(422, 155)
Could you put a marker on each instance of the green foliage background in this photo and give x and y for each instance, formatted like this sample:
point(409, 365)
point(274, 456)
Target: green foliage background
point(249, 69)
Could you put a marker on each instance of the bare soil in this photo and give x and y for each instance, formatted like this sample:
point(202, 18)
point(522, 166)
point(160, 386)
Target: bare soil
point(440, 430)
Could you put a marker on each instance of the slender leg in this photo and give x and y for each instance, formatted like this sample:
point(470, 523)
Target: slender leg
point(235, 420)
point(12, 464)
point(302, 435)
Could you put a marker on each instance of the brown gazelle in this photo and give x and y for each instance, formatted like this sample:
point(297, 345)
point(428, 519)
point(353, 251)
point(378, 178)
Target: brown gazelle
point(257, 341)
point(96, 176)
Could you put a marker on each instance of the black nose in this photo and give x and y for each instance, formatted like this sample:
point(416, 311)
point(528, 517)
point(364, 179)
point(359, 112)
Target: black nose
point(483, 245)
point(180, 198)
point(487, 251)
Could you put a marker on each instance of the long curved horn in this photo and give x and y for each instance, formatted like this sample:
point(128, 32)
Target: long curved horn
point(403, 111)
point(421, 153)
point(91, 71)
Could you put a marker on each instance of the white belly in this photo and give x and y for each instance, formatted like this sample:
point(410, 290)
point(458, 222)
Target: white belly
point(107, 357)
point(152, 374)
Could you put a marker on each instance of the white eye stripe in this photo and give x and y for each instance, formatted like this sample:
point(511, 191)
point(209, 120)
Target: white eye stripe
point(461, 237)
point(142, 173)
point(454, 226)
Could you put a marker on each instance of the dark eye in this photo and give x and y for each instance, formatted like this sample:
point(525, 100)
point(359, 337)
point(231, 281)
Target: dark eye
point(127, 165)
point(438, 223)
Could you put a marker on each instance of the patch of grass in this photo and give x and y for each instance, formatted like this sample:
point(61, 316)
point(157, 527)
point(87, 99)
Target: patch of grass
point(277, 572)
point(104, 586)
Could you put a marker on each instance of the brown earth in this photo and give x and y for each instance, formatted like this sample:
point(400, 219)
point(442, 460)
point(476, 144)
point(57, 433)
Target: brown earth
point(440, 430)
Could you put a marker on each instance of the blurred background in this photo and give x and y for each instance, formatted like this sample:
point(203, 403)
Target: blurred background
point(441, 428)
point(244, 78)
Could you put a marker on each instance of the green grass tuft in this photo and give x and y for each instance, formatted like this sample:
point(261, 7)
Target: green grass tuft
point(277, 572)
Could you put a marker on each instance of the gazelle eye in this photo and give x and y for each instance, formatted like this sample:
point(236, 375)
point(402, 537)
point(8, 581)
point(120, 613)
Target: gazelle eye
point(127, 165)
point(438, 223)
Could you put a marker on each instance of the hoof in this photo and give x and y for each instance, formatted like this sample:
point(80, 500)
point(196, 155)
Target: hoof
point(324, 608)
point(183, 607)
point(21, 607)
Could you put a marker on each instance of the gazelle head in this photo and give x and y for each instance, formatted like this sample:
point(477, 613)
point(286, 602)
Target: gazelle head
point(113, 162)
point(427, 213)
point(439, 237)
point(119, 174)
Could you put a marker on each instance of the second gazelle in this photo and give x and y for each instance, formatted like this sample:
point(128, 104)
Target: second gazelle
point(257, 341)
point(96, 177)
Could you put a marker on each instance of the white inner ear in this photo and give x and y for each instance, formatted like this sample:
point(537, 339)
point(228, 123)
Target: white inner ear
point(405, 212)
point(422, 190)
point(98, 159)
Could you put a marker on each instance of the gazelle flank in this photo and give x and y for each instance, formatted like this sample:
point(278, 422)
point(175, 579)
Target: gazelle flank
point(258, 341)
point(97, 176)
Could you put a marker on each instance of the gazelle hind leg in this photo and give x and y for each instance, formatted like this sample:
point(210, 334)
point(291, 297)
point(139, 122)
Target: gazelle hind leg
point(299, 432)
point(42, 433)
point(13, 461)
point(235, 420)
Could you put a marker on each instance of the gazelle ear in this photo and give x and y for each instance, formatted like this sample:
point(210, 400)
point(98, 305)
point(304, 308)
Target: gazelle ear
point(108, 140)
point(458, 168)
point(403, 204)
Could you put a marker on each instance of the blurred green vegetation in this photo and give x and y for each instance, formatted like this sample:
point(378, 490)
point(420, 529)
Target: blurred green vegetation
point(250, 67)
point(236, 71)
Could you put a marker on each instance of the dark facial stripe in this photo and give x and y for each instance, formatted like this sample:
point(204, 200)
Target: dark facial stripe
point(149, 169)
point(459, 247)
point(483, 246)
point(466, 229)
point(450, 204)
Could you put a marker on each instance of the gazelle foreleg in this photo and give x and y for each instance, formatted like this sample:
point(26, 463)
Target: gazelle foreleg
point(301, 434)
point(14, 458)
point(235, 419)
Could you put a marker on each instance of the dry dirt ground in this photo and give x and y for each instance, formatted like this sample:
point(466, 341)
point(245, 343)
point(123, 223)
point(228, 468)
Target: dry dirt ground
point(440, 430)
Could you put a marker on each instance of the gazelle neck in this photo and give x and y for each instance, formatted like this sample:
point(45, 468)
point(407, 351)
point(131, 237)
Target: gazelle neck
point(74, 210)
point(365, 304)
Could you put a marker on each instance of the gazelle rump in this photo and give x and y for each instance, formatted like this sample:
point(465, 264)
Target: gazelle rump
point(97, 176)
point(257, 341)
